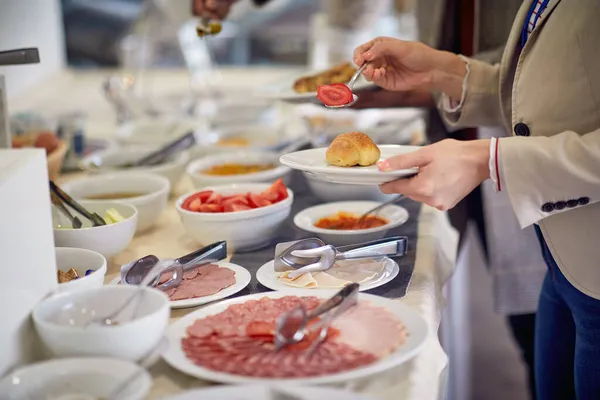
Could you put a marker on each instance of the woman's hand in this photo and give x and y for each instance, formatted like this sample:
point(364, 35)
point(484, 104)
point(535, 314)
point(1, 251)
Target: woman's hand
point(398, 65)
point(213, 9)
point(448, 171)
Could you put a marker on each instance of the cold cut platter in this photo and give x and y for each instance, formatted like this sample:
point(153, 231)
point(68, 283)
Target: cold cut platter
point(232, 341)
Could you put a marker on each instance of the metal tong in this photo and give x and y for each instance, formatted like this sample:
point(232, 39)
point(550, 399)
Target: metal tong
point(292, 326)
point(134, 273)
point(63, 198)
point(305, 256)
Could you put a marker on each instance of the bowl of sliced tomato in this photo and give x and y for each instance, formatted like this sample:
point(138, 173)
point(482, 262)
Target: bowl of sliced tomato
point(246, 215)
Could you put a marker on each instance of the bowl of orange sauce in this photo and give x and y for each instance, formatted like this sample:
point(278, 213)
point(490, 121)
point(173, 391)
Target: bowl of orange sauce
point(241, 166)
point(339, 223)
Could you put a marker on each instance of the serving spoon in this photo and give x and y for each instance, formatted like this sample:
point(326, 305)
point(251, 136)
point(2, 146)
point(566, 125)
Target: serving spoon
point(350, 85)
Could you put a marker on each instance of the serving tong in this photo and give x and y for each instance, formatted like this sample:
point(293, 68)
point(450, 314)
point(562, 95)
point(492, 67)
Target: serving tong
point(292, 326)
point(135, 272)
point(313, 254)
point(60, 198)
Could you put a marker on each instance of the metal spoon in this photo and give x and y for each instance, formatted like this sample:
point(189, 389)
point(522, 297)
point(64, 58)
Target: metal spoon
point(350, 85)
point(291, 326)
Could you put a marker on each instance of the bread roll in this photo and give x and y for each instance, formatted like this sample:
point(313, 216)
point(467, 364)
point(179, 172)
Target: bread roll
point(350, 149)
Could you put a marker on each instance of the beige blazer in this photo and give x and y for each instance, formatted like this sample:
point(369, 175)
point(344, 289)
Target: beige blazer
point(549, 91)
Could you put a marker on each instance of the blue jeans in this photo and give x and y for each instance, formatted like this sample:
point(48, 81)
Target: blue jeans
point(567, 338)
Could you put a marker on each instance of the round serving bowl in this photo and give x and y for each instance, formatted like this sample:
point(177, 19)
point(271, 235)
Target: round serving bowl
point(108, 240)
point(331, 192)
point(158, 131)
point(151, 193)
point(243, 230)
point(81, 260)
point(76, 379)
point(200, 179)
point(61, 322)
point(109, 160)
point(306, 219)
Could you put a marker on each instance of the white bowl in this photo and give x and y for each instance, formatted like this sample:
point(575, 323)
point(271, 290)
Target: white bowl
point(307, 218)
point(75, 379)
point(108, 240)
point(260, 137)
point(60, 322)
point(243, 230)
point(82, 260)
point(330, 192)
point(150, 205)
point(200, 179)
point(172, 169)
point(151, 131)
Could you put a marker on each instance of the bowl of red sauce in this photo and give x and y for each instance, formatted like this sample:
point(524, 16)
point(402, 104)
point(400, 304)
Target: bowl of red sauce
point(339, 223)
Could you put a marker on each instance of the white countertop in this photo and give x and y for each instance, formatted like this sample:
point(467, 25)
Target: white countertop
point(422, 378)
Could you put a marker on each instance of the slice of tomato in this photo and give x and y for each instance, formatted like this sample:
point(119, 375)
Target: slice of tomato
point(240, 207)
point(257, 201)
point(214, 198)
point(211, 208)
point(281, 189)
point(186, 203)
point(195, 205)
point(240, 198)
point(334, 95)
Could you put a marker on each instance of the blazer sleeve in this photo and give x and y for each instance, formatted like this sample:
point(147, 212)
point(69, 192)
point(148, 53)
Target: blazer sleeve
point(481, 105)
point(548, 175)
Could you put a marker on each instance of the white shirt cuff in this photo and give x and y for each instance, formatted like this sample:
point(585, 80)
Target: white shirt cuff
point(451, 105)
point(494, 164)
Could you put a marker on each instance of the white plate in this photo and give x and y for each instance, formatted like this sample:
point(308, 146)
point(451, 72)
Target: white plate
point(266, 276)
point(242, 279)
point(313, 163)
point(95, 377)
point(262, 393)
point(284, 89)
point(414, 323)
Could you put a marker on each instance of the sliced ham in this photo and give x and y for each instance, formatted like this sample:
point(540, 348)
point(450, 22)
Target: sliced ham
point(199, 282)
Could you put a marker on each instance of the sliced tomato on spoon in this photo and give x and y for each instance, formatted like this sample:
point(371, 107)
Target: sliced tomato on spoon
point(336, 94)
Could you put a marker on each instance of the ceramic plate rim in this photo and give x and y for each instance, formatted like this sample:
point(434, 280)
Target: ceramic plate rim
point(75, 363)
point(414, 323)
point(238, 286)
point(267, 270)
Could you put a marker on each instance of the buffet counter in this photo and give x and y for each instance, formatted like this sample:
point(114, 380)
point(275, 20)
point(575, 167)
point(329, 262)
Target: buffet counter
point(424, 377)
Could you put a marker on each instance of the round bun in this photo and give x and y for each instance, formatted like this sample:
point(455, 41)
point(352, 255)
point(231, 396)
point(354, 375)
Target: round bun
point(350, 149)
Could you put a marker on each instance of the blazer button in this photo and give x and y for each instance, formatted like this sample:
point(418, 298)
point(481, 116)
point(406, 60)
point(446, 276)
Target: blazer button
point(521, 129)
point(559, 205)
point(572, 203)
point(582, 201)
point(548, 207)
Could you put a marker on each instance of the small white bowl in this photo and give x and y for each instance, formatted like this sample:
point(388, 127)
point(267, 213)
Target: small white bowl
point(243, 230)
point(107, 161)
point(307, 218)
point(75, 379)
point(82, 260)
point(108, 240)
point(60, 322)
point(330, 192)
point(154, 190)
point(200, 179)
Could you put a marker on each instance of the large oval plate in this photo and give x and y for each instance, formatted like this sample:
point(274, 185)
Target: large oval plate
point(313, 163)
point(414, 323)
